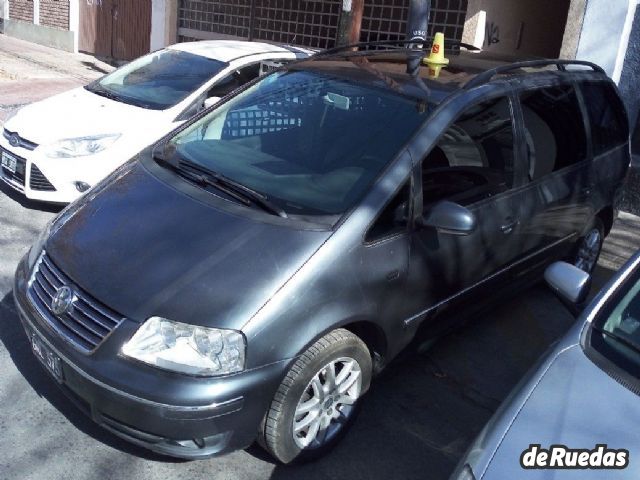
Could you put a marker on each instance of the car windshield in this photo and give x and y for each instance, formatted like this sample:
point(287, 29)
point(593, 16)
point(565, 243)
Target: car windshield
point(159, 80)
point(312, 143)
point(616, 334)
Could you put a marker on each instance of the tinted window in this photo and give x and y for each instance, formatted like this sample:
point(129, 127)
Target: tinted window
point(312, 143)
point(554, 129)
point(473, 160)
point(234, 80)
point(159, 80)
point(606, 116)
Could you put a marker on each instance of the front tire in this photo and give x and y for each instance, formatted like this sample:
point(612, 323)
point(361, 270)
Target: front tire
point(318, 399)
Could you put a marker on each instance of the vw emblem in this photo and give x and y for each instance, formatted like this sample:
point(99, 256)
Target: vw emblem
point(14, 140)
point(62, 300)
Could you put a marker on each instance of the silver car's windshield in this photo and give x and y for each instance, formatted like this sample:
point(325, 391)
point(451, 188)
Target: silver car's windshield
point(159, 80)
point(616, 332)
point(311, 143)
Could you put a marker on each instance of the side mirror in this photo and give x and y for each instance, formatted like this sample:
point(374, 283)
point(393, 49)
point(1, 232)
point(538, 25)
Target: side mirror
point(449, 217)
point(211, 101)
point(570, 283)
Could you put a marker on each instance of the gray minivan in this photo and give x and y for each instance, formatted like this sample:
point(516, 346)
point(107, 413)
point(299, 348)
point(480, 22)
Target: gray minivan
point(247, 277)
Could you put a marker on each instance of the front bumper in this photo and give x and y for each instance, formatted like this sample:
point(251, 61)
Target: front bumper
point(177, 415)
point(54, 180)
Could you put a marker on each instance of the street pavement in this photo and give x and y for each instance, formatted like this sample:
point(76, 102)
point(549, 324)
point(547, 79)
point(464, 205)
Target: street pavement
point(30, 72)
point(416, 423)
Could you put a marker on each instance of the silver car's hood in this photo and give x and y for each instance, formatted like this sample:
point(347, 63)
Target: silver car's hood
point(576, 404)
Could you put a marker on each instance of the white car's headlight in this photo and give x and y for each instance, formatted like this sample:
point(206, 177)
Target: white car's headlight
point(185, 348)
point(80, 147)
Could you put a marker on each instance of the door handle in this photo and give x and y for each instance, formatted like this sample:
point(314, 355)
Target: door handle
point(507, 228)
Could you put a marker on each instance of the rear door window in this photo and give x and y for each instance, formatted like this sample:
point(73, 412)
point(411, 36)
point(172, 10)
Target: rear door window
point(554, 129)
point(606, 115)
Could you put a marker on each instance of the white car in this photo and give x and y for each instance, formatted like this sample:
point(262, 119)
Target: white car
point(56, 149)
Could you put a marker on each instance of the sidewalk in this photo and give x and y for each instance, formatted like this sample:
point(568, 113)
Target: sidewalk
point(30, 72)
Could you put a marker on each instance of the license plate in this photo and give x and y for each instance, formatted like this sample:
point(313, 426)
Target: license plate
point(9, 162)
point(49, 359)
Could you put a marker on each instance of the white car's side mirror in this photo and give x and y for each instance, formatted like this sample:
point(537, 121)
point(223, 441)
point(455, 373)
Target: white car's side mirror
point(211, 101)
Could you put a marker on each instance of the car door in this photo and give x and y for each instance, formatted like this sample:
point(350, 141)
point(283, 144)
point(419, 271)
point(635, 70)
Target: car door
point(473, 164)
point(556, 208)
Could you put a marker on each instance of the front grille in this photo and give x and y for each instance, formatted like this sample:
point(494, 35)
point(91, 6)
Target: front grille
point(16, 178)
point(17, 141)
point(86, 323)
point(37, 181)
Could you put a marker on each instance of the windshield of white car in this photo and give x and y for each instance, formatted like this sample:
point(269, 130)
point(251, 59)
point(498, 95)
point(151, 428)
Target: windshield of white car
point(312, 143)
point(159, 80)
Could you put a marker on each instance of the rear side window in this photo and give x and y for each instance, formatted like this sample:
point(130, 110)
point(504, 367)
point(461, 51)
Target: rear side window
point(554, 129)
point(606, 115)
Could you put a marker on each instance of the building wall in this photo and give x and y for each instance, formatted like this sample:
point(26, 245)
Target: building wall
point(629, 80)
point(41, 21)
point(310, 23)
point(601, 41)
point(523, 27)
point(54, 13)
point(21, 10)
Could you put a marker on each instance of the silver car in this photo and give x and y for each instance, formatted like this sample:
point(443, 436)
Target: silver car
point(575, 415)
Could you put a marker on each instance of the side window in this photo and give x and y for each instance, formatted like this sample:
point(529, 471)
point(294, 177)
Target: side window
point(235, 79)
point(554, 129)
point(474, 158)
point(393, 219)
point(606, 115)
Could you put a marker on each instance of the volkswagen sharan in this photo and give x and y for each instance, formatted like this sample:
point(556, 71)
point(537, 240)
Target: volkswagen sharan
point(245, 278)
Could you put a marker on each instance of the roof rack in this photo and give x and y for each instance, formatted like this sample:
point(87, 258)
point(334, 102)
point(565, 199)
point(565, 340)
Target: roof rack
point(487, 75)
point(398, 44)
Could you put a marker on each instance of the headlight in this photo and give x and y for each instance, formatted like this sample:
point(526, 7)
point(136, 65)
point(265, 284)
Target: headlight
point(185, 348)
point(80, 147)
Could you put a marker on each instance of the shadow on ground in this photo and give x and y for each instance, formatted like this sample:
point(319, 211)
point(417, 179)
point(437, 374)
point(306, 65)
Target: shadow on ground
point(29, 204)
point(94, 67)
point(423, 412)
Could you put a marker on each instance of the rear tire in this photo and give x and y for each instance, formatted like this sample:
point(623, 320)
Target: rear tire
point(318, 399)
point(589, 247)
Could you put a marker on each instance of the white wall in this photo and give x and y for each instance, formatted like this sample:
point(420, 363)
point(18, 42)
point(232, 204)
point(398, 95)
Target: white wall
point(605, 34)
point(158, 14)
point(74, 22)
point(163, 23)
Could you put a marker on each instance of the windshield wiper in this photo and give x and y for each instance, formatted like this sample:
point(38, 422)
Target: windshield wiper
point(203, 176)
point(103, 92)
point(618, 338)
point(233, 188)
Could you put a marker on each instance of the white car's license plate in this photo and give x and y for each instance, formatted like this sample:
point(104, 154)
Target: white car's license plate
point(49, 359)
point(9, 162)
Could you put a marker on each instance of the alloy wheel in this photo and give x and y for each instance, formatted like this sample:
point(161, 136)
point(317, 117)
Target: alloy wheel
point(327, 403)
point(589, 250)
